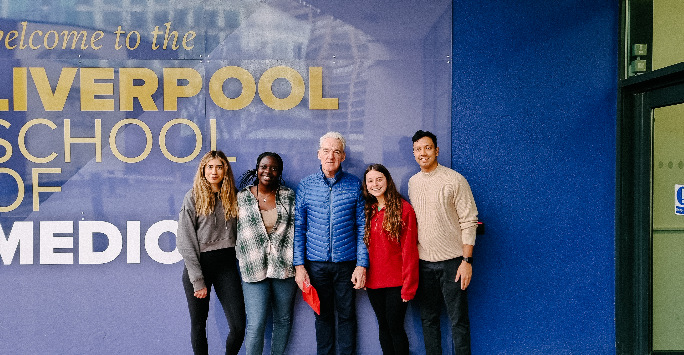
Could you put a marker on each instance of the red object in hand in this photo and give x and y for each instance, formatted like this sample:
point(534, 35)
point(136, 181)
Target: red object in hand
point(311, 297)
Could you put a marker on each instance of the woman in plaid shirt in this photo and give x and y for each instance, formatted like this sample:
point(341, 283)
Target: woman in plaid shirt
point(265, 233)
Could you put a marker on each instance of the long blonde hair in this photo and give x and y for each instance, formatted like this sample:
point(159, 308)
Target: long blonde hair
point(204, 196)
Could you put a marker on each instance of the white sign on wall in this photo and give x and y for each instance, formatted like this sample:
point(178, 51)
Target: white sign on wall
point(679, 199)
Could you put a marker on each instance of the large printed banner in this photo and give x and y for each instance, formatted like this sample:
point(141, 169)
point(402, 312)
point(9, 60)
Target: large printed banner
point(107, 106)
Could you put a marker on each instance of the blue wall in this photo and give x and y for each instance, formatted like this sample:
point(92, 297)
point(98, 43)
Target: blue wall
point(533, 125)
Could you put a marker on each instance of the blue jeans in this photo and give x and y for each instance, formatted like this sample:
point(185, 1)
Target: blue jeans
point(436, 283)
point(335, 290)
point(279, 295)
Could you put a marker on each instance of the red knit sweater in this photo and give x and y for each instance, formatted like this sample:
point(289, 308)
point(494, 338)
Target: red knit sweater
point(394, 264)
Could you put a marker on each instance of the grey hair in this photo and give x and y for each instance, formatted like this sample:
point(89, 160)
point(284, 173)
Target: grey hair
point(335, 135)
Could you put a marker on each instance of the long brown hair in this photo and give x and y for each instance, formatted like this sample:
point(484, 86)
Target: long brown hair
point(204, 196)
point(391, 221)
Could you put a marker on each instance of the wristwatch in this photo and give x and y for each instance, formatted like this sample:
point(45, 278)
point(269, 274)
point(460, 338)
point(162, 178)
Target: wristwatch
point(469, 260)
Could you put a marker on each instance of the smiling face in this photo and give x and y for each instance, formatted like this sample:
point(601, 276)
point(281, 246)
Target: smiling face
point(331, 154)
point(376, 184)
point(214, 172)
point(268, 171)
point(426, 153)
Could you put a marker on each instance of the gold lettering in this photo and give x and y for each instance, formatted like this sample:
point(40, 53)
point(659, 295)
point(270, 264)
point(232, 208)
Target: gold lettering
point(53, 101)
point(198, 140)
point(155, 33)
point(40, 33)
point(11, 35)
point(90, 88)
point(118, 33)
point(37, 188)
point(128, 40)
point(22, 141)
point(188, 37)
point(212, 134)
point(68, 140)
point(216, 88)
point(20, 187)
point(6, 144)
point(128, 91)
point(23, 34)
point(54, 44)
point(94, 39)
point(76, 35)
point(296, 91)
point(20, 88)
point(172, 91)
point(316, 100)
point(148, 137)
point(168, 35)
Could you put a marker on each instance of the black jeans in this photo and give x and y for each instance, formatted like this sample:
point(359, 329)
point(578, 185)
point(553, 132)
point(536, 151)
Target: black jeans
point(436, 283)
point(335, 290)
point(220, 270)
point(390, 311)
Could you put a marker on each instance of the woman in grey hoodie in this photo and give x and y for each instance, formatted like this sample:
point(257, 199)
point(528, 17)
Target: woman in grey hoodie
point(206, 240)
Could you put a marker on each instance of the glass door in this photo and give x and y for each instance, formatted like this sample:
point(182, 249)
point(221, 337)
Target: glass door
point(649, 218)
point(668, 228)
point(649, 238)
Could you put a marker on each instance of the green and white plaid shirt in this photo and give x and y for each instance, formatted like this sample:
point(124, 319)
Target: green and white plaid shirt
point(264, 255)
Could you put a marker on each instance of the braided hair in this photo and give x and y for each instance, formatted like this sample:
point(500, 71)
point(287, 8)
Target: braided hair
point(250, 177)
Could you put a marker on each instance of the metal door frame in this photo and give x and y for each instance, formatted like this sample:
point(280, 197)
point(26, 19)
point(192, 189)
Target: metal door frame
point(637, 98)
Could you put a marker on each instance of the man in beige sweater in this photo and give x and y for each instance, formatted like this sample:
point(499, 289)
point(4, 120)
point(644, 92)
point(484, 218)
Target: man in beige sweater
point(447, 220)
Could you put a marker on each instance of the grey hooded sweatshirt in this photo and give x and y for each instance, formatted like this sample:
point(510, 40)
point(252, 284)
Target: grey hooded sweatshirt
point(197, 234)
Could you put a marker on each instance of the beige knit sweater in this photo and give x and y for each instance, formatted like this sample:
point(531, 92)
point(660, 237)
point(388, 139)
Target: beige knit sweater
point(446, 213)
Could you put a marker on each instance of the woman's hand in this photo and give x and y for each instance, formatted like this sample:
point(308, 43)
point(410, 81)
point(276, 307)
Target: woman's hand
point(201, 293)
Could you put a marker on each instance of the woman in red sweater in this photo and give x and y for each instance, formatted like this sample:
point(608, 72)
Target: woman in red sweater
point(392, 239)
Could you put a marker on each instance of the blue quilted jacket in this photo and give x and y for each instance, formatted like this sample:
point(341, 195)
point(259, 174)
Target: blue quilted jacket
point(329, 220)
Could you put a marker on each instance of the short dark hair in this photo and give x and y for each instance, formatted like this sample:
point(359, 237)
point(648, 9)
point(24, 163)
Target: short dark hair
point(420, 134)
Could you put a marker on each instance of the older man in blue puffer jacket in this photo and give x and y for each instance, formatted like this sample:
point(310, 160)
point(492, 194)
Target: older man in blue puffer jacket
point(328, 244)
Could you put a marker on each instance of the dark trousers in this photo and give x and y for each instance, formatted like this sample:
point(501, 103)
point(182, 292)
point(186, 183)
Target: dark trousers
point(220, 270)
point(335, 290)
point(390, 311)
point(436, 284)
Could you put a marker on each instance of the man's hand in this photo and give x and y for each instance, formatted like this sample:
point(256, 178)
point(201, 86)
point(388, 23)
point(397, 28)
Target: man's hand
point(301, 276)
point(359, 277)
point(201, 293)
point(465, 273)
